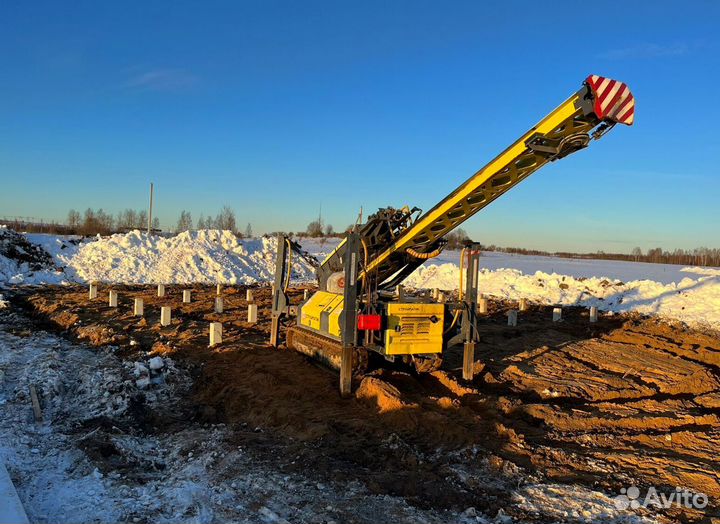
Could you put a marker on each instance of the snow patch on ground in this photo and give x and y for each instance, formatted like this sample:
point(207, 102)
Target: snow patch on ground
point(574, 504)
point(696, 302)
point(55, 479)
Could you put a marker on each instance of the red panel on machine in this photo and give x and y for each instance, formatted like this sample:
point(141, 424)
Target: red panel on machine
point(613, 99)
point(369, 322)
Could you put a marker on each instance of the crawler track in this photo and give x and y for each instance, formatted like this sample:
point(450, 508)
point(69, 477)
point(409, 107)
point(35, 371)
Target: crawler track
point(324, 350)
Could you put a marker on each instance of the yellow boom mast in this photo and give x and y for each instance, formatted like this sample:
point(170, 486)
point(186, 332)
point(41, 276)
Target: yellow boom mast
point(589, 113)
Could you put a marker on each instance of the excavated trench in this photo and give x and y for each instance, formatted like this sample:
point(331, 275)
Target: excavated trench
point(627, 400)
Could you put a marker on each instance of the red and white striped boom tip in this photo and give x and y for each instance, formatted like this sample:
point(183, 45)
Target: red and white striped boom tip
point(613, 99)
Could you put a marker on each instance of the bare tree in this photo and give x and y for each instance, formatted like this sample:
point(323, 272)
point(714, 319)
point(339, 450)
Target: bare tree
point(457, 238)
point(248, 231)
point(96, 222)
point(140, 220)
point(314, 229)
point(655, 255)
point(73, 220)
point(226, 219)
point(329, 231)
point(127, 219)
point(107, 223)
point(636, 253)
point(184, 222)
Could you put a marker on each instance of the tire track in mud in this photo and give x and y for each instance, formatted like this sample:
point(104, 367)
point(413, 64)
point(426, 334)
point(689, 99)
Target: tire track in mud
point(659, 433)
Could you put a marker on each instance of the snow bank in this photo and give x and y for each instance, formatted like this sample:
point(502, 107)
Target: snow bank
point(696, 302)
point(207, 256)
point(3, 303)
point(702, 271)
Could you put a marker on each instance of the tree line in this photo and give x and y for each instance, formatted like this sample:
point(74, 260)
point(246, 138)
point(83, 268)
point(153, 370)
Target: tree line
point(700, 256)
point(225, 220)
point(98, 222)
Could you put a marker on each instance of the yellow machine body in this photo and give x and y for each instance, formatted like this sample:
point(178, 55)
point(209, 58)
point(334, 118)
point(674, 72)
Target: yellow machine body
point(414, 328)
point(321, 313)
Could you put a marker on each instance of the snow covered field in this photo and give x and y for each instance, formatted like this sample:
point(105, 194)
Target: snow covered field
point(691, 295)
point(528, 264)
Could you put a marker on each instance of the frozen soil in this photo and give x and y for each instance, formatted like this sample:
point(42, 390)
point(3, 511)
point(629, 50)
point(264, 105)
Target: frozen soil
point(109, 450)
point(559, 418)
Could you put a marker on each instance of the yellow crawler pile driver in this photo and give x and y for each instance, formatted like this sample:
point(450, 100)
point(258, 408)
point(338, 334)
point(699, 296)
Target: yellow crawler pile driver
point(357, 308)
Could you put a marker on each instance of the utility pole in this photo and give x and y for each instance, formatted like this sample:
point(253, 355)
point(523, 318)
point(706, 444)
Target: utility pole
point(150, 213)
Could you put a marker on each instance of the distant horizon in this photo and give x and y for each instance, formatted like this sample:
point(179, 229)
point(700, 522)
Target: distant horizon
point(338, 233)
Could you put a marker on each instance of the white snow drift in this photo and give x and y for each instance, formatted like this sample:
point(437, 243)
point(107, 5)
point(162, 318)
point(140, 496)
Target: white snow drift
point(211, 256)
point(696, 302)
point(208, 257)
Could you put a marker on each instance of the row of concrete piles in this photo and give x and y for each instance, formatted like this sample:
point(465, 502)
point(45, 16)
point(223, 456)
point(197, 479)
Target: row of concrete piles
point(482, 307)
point(215, 330)
point(215, 333)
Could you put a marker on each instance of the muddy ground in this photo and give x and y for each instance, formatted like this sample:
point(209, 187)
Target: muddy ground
point(627, 400)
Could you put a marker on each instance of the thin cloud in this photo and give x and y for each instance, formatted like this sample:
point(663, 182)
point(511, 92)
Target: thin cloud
point(162, 80)
point(647, 50)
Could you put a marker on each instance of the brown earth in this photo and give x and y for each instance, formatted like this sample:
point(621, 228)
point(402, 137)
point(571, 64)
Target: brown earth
point(625, 400)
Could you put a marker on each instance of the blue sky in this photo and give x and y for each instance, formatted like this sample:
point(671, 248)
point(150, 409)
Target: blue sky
point(276, 108)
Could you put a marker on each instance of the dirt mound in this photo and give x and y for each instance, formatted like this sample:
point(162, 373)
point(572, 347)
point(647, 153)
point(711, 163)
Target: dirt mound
point(384, 396)
point(16, 248)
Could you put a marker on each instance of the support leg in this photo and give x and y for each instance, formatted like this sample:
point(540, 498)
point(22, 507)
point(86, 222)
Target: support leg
point(279, 298)
point(346, 372)
point(469, 325)
point(469, 361)
point(275, 330)
point(350, 309)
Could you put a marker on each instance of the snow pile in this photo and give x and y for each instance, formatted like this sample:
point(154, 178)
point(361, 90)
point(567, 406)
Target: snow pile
point(696, 302)
point(206, 257)
point(709, 271)
point(21, 259)
point(3, 303)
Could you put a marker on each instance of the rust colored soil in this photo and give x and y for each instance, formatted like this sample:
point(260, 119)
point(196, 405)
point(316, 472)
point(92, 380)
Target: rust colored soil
point(625, 400)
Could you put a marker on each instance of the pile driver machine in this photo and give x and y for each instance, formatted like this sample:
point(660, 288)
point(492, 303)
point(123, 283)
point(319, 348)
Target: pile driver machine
point(357, 308)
